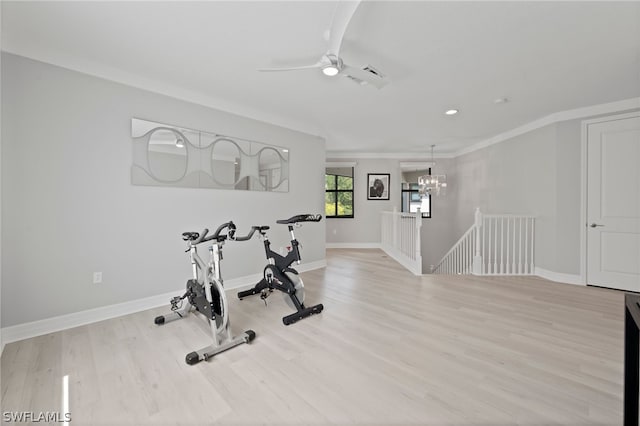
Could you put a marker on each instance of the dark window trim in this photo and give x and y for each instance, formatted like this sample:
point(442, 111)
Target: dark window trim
point(337, 191)
point(402, 191)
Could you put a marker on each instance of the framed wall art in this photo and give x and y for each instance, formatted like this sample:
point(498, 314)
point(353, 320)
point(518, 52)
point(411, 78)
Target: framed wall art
point(378, 186)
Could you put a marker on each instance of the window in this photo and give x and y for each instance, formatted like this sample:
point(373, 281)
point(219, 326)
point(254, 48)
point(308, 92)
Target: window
point(339, 192)
point(411, 199)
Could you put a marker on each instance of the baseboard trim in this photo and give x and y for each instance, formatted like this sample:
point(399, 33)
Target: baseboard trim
point(559, 276)
point(354, 245)
point(63, 322)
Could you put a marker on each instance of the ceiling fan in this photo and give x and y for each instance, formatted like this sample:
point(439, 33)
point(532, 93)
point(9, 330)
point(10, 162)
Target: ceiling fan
point(330, 63)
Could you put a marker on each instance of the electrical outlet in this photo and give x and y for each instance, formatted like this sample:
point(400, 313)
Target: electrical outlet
point(97, 277)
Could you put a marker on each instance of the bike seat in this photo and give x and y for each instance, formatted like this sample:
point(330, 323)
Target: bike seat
point(186, 236)
point(300, 218)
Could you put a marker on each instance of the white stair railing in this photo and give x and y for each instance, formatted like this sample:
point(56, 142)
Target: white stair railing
point(496, 244)
point(459, 259)
point(400, 238)
point(508, 244)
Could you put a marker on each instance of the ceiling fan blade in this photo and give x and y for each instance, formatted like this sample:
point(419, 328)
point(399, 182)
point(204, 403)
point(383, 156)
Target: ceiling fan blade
point(341, 16)
point(303, 67)
point(367, 75)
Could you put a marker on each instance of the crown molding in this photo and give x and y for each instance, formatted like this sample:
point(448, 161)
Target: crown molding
point(139, 82)
point(416, 165)
point(340, 164)
point(155, 86)
point(590, 111)
point(407, 156)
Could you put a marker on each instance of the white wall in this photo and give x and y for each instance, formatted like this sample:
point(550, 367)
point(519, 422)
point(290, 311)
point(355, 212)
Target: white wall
point(1, 340)
point(69, 208)
point(537, 173)
point(513, 177)
point(364, 229)
point(568, 197)
point(437, 233)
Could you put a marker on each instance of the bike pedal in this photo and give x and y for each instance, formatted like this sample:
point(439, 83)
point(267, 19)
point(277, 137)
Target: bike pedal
point(176, 303)
point(263, 295)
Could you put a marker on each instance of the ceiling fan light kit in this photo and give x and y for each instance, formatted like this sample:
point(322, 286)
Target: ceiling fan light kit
point(330, 70)
point(334, 66)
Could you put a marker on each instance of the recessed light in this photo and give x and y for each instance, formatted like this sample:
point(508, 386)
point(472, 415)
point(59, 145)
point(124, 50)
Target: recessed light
point(285, 150)
point(451, 111)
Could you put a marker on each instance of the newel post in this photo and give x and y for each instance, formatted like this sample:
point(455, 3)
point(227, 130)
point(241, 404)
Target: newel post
point(477, 257)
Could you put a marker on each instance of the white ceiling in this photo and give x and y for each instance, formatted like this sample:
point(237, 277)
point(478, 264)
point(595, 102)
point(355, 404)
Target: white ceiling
point(545, 57)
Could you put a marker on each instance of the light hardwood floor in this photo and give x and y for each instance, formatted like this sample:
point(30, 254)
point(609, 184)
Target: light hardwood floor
point(389, 349)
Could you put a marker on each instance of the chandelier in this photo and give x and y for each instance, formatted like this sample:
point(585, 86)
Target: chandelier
point(430, 183)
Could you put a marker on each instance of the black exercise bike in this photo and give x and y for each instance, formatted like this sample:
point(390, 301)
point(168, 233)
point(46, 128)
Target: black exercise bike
point(279, 275)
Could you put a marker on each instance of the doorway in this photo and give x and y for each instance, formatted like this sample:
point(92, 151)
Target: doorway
point(613, 202)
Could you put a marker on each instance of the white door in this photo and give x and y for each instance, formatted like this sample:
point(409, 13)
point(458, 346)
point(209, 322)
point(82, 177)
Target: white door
point(613, 203)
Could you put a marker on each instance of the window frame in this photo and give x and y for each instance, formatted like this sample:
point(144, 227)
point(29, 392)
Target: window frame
point(415, 191)
point(337, 191)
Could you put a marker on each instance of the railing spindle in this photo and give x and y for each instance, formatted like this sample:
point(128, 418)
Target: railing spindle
point(495, 247)
point(502, 243)
point(484, 240)
point(465, 263)
point(533, 225)
point(520, 249)
point(492, 244)
point(514, 244)
point(464, 255)
point(526, 245)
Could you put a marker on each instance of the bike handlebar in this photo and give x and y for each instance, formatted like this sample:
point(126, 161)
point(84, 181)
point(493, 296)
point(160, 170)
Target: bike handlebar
point(250, 234)
point(216, 235)
point(196, 238)
point(201, 237)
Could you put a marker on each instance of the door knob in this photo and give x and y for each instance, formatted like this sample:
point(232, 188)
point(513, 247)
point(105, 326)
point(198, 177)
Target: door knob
point(593, 225)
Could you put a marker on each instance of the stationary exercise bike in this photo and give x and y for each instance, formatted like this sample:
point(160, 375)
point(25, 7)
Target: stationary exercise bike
point(205, 293)
point(279, 275)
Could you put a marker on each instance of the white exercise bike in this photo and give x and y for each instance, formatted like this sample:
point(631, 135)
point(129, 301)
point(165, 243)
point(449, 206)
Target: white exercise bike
point(205, 295)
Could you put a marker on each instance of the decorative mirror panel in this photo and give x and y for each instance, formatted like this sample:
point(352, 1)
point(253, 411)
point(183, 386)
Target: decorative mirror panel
point(165, 155)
